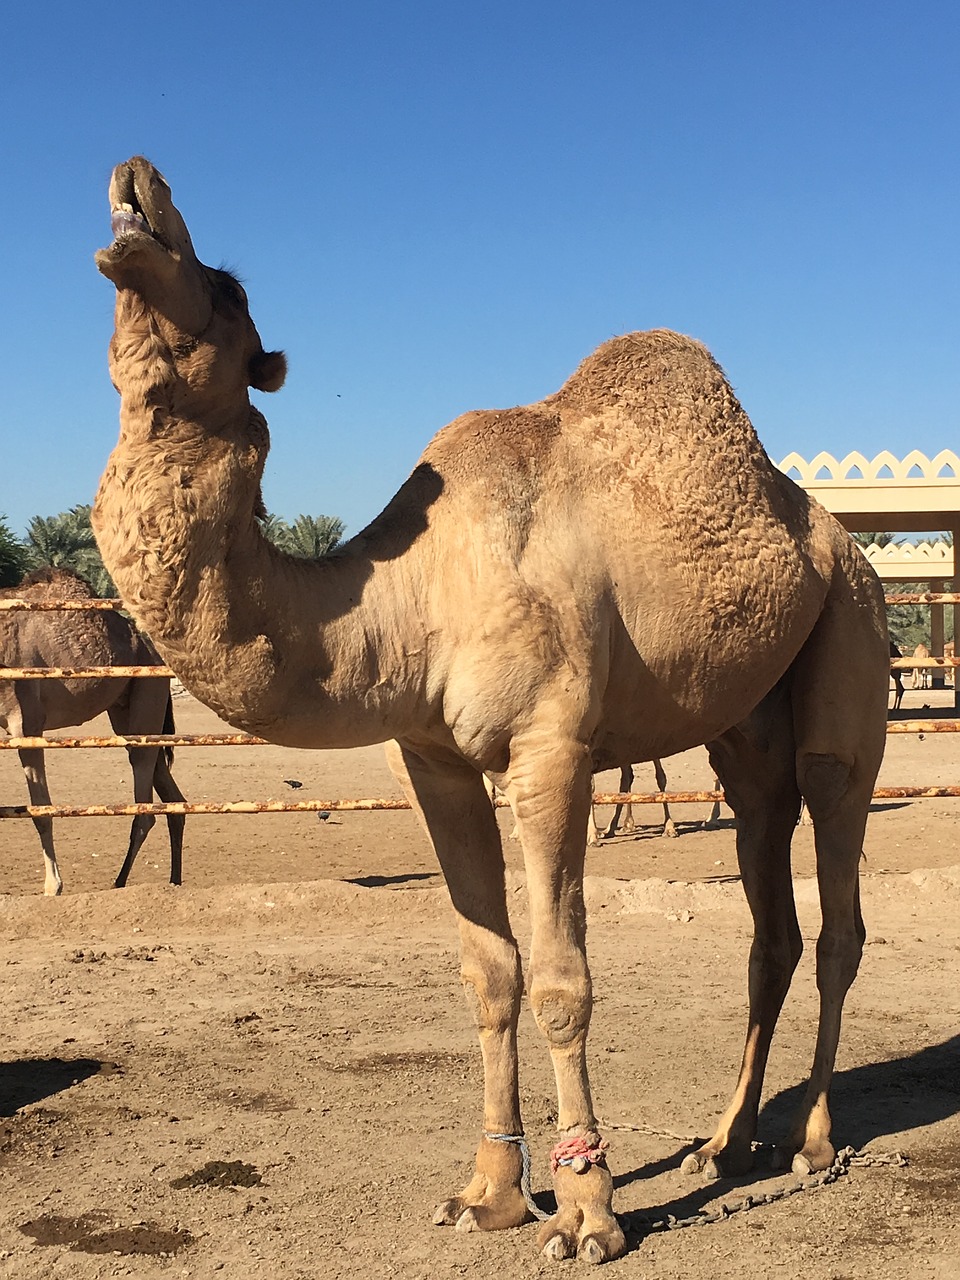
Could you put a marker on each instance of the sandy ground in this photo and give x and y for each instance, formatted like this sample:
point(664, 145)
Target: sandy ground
point(294, 1013)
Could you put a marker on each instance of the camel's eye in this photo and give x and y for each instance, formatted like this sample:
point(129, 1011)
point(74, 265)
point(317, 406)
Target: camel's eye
point(231, 290)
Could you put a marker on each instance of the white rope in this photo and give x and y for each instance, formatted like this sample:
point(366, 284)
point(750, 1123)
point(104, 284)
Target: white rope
point(519, 1140)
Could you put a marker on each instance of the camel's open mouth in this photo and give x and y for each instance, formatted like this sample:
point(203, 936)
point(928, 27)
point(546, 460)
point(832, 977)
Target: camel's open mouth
point(130, 213)
point(127, 216)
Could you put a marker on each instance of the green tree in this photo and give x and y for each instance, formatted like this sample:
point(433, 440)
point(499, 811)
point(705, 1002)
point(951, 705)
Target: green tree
point(276, 530)
point(13, 556)
point(881, 539)
point(66, 541)
point(314, 536)
point(309, 537)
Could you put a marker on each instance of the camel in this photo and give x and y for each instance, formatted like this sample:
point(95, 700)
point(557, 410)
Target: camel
point(556, 589)
point(139, 705)
point(921, 675)
point(623, 820)
point(896, 675)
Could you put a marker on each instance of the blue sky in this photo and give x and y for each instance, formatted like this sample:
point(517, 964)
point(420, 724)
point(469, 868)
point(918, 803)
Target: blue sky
point(443, 206)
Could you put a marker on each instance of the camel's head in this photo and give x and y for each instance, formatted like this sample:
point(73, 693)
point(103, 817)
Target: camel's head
point(198, 312)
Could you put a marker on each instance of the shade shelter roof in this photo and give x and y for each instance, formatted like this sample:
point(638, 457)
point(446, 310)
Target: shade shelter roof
point(914, 493)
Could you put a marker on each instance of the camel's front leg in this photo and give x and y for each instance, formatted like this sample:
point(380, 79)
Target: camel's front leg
point(450, 801)
point(551, 803)
point(35, 772)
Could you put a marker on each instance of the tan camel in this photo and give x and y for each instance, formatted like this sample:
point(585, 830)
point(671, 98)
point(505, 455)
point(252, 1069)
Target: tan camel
point(139, 705)
point(623, 819)
point(557, 588)
point(921, 675)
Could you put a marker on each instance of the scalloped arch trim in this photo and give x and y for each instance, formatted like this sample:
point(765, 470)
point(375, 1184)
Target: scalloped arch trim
point(855, 468)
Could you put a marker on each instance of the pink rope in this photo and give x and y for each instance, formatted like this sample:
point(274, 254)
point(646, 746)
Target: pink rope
point(578, 1153)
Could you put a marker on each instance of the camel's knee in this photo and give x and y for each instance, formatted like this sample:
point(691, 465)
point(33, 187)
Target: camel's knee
point(493, 988)
point(561, 1008)
point(838, 957)
point(140, 828)
point(823, 779)
point(776, 958)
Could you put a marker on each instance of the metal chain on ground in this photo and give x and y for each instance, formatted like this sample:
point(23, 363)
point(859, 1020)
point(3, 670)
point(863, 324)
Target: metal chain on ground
point(845, 1160)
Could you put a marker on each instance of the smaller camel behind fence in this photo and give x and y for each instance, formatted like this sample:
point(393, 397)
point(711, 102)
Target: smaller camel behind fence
point(135, 705)
point(628, 824)
point(921, 675)
point(896, 675)
point(623, 819)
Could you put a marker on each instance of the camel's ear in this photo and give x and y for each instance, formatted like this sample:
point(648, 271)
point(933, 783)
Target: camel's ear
point(268, 370)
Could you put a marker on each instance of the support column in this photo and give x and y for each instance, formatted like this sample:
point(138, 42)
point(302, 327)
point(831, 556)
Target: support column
point(936, 635)
point(955, 530)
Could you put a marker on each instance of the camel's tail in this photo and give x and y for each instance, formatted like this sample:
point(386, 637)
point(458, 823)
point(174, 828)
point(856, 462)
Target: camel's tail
point(169, 726)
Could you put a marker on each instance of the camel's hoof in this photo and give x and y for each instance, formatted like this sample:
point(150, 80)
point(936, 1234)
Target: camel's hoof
point(502, 1211)
point(591, 1251)
point(559, 1247)
point(812, 1158)
point(706, 1166)
point(449, 1213)
point(602, 1248)
point(670, 831)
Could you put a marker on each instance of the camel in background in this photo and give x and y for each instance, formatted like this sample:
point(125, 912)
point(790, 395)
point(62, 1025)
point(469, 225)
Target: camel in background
point(134, 705)
point(896, 675)
point(615, 573)
point(921, 675)
point(623, 819)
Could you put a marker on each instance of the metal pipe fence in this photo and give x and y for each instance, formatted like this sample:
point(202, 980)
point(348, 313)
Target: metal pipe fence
point(144, 741)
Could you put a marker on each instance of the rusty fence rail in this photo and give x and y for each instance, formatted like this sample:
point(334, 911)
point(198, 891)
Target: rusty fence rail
point(143, 741)
point(392, 804)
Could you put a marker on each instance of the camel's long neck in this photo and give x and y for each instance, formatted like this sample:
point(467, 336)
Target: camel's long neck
point(308, 653)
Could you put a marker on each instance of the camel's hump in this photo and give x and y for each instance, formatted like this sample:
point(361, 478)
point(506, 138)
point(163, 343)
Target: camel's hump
point(629, 366)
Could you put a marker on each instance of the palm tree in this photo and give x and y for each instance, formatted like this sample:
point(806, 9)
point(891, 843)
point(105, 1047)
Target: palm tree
point(313, 536)
point(13, 556)
point(309, 537)
point(276, 529)
point(880, 539)
point(66, 541)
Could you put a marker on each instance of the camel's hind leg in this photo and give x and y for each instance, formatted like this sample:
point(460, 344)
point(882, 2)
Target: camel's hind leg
point(622, 819)
point(449, 799)
point(669, 828)
point(755, 763)
point(840, 683)
point(146, 709)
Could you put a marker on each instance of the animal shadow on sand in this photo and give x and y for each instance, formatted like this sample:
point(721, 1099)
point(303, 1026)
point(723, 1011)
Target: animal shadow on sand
point(881, 1098)
point(33, 1079)
point(383, 882)
point(868, 1102)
